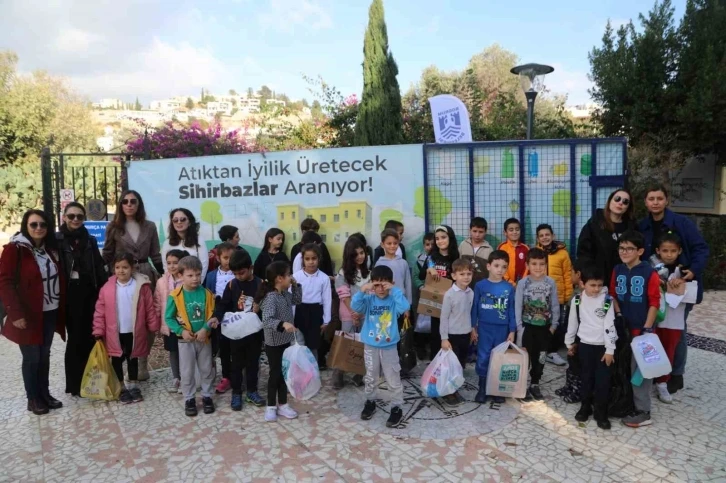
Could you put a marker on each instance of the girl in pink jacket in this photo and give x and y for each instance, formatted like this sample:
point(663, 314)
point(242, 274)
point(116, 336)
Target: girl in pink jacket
point(124, 318)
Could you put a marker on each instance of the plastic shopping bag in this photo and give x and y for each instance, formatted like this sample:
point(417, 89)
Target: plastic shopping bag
point(99, 379)
point(443, 376)
point(238, 325)
point(406, 348)
point(423, 324)
point(300, 370)
point(508, 368)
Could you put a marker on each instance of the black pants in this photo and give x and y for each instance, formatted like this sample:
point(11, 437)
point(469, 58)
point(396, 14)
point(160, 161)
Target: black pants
point(245, 355)
point(536, 339)
point(558, 338)
point(435, 340)
point(460, 345)
point(276, 387)
point(79, 325)
point(309, 320)
point(127, 346)
point(595, 376)
point(36, 360)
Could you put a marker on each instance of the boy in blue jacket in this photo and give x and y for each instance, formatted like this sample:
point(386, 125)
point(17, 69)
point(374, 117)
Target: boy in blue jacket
point(381, 304)
point(493, 318)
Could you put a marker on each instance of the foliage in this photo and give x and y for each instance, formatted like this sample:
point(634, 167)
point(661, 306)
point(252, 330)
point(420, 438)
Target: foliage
point(137, 105)
point(379, 120)
point(190, 103)
point(333, 114)
point(713, 229)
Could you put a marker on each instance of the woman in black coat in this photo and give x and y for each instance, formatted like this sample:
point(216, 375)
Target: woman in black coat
point(85, 274)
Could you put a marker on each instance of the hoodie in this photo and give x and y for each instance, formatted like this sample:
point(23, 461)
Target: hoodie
point(479, 258)
point(401, 274)
point(596, 324)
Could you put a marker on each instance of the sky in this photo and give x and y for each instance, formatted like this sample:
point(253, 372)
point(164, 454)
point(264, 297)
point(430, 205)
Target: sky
point(156, 49)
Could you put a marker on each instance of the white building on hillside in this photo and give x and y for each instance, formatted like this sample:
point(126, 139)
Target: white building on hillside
point(219, 106)
point(275, 102)
point(582, 111)
point(108, 104)
point(166, 105)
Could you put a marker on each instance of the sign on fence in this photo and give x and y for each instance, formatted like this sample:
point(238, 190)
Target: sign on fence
point(97, 229)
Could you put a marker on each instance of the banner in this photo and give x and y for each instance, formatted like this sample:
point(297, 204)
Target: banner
point(347, 190)
point(451, 119)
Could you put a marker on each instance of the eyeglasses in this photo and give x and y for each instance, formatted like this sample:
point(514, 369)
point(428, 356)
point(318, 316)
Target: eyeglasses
point(38, 225)
point(620, 199)
point(627, 249)
point(179, 220)
point(129, 201)
point(74, 217)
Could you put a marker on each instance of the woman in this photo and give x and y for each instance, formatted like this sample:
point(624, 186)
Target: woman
point(183, 234)
point(130, 232)
point(598, 242)
point(32, 289)
point(84, 272)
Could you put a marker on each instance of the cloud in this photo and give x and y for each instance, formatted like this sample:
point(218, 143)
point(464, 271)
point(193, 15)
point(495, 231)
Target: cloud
point(290, 15)
point(570, 82)
point(73, 40)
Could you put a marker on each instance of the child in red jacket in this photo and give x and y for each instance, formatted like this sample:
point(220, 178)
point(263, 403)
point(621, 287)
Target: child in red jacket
point(124, 318)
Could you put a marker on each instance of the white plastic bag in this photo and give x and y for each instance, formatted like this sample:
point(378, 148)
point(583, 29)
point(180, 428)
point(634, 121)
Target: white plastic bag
point(238, 325)
point(300, 370)
point(423, 324)
point(651, 357)
point(443, 376)
point(508, 369)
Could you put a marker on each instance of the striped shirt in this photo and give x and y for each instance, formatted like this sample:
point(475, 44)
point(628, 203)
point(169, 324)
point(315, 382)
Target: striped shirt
point(276, 309)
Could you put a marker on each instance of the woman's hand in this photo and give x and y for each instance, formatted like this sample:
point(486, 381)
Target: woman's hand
point(20, 324)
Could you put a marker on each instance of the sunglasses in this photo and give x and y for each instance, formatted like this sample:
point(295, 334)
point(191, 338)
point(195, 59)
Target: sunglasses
point(129, 201)
point(179, 220)
point(38, 225)
point(74, 217)
point(620, 199)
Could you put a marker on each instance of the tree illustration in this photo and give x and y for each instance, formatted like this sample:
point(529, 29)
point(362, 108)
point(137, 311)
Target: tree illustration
point(440, 205)
point(211, 213)
point(389, 214)
point(561, 202)
point(162, 232)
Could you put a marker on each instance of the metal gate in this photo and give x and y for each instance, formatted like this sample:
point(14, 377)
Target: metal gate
point(558, 182)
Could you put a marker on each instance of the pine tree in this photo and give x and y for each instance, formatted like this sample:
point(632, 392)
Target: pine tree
point(137, 105)
point(379, 119)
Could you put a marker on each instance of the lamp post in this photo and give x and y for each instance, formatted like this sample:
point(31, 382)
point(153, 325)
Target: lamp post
point(531, 76)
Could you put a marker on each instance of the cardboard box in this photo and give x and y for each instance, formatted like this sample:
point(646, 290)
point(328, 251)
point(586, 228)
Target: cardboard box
point(432, 296)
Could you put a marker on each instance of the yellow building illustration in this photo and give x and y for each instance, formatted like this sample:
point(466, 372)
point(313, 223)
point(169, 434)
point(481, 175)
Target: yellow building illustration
point(337, 223)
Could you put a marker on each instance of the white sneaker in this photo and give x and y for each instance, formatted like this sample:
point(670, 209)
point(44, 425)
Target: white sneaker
point(174, 386)
point(271, 414)
point(286, 411)
point(556, 359)
point(663, 393)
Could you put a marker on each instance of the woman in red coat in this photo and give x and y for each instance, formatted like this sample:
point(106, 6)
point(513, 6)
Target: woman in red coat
point(32, 289)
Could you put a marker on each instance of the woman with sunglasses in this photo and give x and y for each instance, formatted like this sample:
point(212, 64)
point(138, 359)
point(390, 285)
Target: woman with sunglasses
point(84, 272)
point(130, 232)
point(183, 234)
point(32, 289)
point(598, 242)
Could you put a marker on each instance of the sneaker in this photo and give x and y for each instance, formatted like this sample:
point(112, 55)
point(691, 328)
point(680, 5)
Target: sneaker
point(368, 410)
point(236, 403)
point(174, 386)
point(190, 407)
point(271, 414)
point(603, 424)
point(637, 419)
point(208, 405)
point(527, 397)
point(535, 392)
point(358, 380)
point(286, 411)
point(584, 413)
point(663, 393)
point(556, 359)
point(498, 399)
point(255, 399)
point(459, 397)
point(223, 386)
point(395, 418)
point(451, 400)
point(674, 384)
point(136, 394)
point(126, 397)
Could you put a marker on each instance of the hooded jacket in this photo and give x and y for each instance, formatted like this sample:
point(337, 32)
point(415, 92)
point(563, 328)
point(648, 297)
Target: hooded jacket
point(559, 269)
point(478, 257)
point(597, 246)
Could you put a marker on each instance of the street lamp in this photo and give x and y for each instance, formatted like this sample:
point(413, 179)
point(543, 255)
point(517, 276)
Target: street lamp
point(531, 76)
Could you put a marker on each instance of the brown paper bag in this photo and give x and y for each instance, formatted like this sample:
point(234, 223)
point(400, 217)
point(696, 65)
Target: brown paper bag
point(346, 353)
point(508, 369)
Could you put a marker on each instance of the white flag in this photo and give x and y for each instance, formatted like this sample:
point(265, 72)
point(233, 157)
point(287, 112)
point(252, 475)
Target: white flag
point(451, 119)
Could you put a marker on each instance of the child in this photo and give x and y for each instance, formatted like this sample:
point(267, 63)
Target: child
point(189, 315)
point(401, 251)
point(369, 250)
point(537, 308)
point(271, 251)
point(215, 282)
point(636, 289)
point(276, 302)
point(455, 329)
point(438, 265)
point(312, 315)
point(559, 269)
point(308, 237)
point(380, 304)
point(311, 225)
point(171, 280)
point(350, 279)
point(492, 317)
point(670, 330)
point(517, 251)
point(399, 266)
point(422, 334)
point(476, 249)
point(245, 353)
point(228, 234)
point(592, 321)
point(124, 318)
point(570, 392)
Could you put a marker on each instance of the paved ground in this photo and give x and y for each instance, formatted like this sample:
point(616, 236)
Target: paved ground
point(153, 440)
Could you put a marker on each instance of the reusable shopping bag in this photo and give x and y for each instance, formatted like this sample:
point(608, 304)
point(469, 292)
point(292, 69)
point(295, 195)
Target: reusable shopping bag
point(300, 370)
point(508, 368)
point(443, 376)
point(346, 353)
point(99, 379)
point(238, 325)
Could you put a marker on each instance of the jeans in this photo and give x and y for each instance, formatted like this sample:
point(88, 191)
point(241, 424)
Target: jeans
point(679, 360)
point(36, 360)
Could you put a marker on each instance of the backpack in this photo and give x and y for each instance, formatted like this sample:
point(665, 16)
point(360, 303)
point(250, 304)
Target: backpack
point(16, 279)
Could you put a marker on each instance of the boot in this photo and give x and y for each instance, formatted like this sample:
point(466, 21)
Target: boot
point(481, 395)
point(143, 369)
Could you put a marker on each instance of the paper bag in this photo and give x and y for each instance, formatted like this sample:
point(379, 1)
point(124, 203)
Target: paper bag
point(432, 296)
point(508, 368)
point(346, 353)
point(99, 379)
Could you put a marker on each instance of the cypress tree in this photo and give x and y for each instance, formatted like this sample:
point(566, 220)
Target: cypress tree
point(379, 119)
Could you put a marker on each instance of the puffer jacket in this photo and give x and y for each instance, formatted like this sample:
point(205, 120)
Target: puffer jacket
point(559, 268)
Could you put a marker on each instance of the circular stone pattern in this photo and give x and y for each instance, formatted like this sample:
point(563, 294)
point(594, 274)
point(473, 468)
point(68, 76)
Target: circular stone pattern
point(429, 418)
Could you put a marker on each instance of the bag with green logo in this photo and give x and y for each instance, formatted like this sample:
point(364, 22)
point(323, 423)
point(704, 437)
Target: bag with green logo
point(508, 369)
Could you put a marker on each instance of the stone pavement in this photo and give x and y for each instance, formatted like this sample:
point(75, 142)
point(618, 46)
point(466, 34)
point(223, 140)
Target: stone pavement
point(153, 441)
